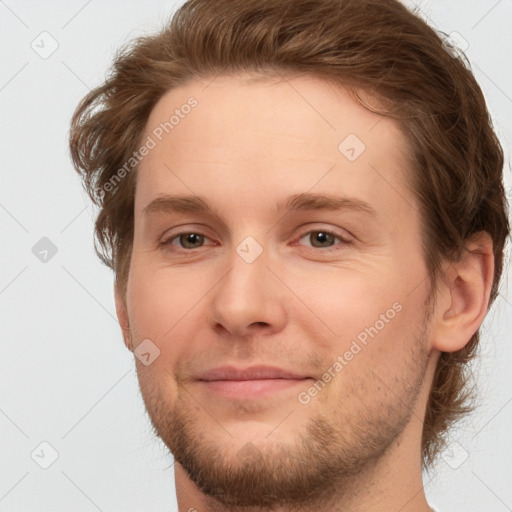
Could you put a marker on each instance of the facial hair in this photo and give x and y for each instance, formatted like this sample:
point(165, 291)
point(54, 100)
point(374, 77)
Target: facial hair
point(310, 472)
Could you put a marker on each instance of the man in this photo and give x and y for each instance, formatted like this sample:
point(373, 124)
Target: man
point(303, 206)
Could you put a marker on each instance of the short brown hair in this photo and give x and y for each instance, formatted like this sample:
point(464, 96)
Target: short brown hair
point(377, 47)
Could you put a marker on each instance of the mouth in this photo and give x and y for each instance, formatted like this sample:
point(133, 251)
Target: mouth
point(250, 388)
point(249, 383)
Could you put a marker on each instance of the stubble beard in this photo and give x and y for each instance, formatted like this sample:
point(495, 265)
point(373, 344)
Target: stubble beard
point(317, 468)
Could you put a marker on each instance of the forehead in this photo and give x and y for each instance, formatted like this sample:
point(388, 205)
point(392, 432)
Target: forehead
point(248, 130)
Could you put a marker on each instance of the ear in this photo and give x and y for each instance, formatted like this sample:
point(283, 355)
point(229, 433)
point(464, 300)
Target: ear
point(122, 317)
point(463, 296)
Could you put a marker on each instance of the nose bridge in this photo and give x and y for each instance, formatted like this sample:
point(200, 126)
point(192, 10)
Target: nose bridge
point(249, 293)
point(248, 279)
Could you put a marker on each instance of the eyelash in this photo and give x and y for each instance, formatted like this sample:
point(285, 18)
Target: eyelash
point(344, 241)
point(341, 239)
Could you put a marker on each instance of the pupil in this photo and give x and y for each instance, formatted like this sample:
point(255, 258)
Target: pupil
point(323, 237)
point(191, 238)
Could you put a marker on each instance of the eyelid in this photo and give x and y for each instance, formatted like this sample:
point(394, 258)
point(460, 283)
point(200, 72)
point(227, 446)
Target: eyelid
point(167, 240)
point(343, 239)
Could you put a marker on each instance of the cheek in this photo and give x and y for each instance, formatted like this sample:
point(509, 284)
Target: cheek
point(372, 360)
point(368, 318)
point(159, 300)
point(346, 301)
point(161, 309)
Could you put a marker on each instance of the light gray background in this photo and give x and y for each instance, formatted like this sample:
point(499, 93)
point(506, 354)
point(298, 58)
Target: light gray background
point(65, 376)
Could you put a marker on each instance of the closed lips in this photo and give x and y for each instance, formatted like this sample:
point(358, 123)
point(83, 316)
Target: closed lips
point(251, 373)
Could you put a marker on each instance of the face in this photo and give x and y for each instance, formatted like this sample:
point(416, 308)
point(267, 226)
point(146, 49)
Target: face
point(298, 248)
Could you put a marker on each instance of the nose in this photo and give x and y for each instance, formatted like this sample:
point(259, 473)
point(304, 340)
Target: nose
point(249, 299)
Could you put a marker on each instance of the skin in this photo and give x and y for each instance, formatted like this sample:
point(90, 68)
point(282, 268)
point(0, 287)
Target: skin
point(356, 445)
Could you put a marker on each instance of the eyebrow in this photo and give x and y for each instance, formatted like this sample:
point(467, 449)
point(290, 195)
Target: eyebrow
point(296, 202)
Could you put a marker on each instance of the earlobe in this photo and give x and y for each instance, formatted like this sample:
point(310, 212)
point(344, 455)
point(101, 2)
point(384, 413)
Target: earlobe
point(122, 317)
point(465, 295)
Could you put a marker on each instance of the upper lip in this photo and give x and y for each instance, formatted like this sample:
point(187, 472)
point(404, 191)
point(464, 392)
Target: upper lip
point(250, 373)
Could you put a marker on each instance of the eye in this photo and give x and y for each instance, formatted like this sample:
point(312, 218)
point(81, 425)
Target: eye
point(319, 239)
point(186, 240)
point(323, 238)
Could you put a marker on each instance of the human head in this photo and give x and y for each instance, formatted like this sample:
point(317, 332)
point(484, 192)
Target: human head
point(401, 70)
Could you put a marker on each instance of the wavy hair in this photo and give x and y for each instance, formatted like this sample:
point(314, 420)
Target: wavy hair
point(376, 47)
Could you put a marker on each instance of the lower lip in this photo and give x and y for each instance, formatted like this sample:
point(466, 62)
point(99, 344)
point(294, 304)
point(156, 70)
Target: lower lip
point(250, 388)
